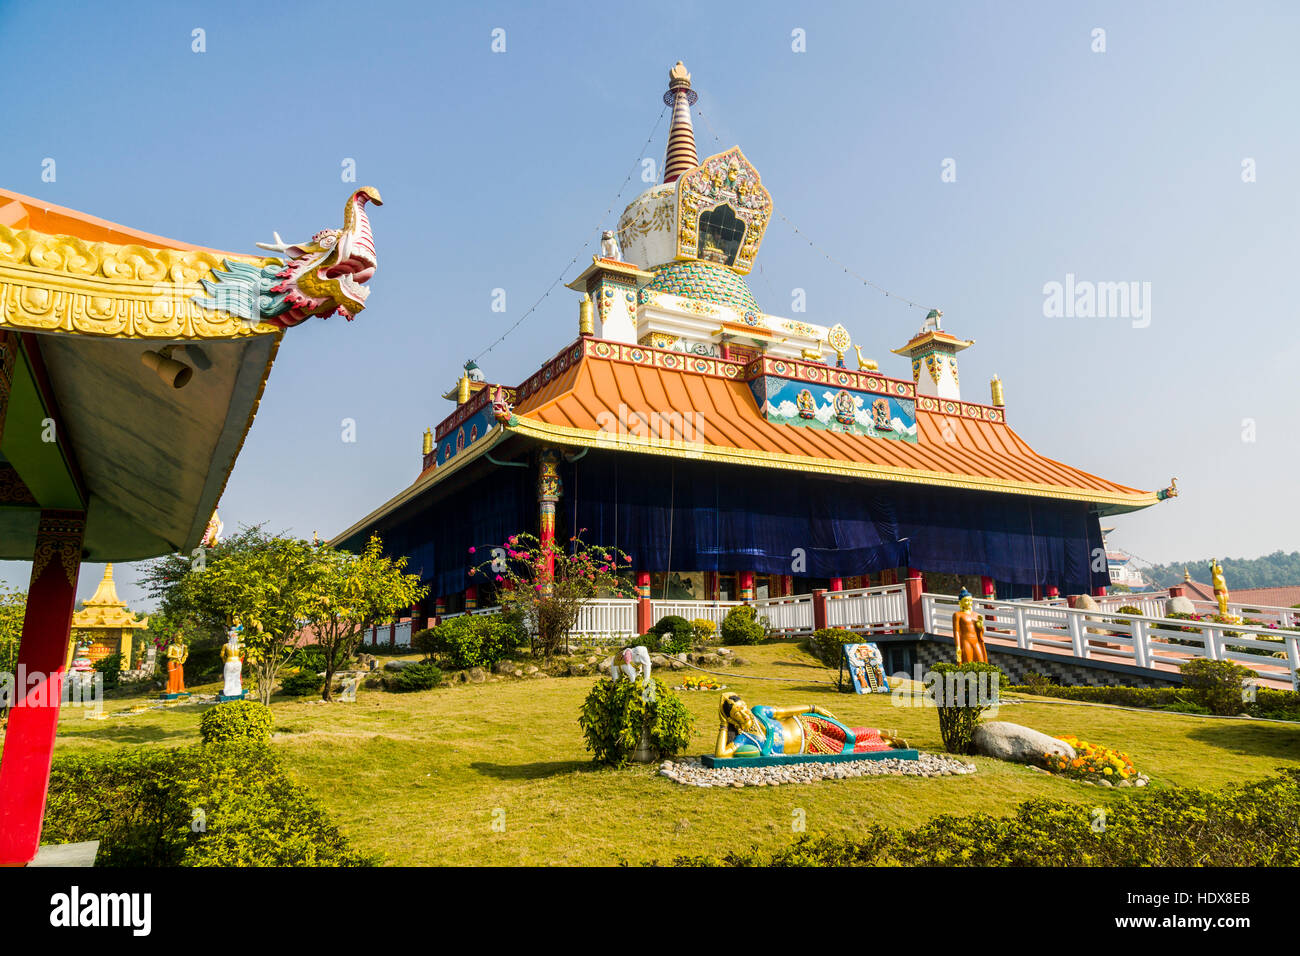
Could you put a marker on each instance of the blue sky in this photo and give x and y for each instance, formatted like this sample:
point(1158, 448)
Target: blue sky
point(496, 169)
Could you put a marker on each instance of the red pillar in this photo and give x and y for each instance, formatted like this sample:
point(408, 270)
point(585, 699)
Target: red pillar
point(915, 618)
point(1053, 591)
point(1099, 592)
point(986, 585)
point(747, 585)
point(471, 598)
point(644, 610)
point(548, 495)
point(1177, 590)
point(42, 654)
point(819, 608)
point(837, 584)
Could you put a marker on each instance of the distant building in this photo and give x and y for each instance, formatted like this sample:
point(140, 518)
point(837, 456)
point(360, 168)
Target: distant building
point(1123, 572)
point(1250, 597)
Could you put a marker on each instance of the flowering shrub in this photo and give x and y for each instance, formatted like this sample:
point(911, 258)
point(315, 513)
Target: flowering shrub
point(1091, 760)
point(703, 629)
point(546, 585)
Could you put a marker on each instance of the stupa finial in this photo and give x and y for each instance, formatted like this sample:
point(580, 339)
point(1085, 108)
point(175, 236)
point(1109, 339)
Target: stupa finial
point(681, 154)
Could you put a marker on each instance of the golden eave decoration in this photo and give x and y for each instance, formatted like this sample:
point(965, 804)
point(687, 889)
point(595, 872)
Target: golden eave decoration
point(724, 179)
point(56, 283)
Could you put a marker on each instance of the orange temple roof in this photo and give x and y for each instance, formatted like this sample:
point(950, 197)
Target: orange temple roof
point(977, 453)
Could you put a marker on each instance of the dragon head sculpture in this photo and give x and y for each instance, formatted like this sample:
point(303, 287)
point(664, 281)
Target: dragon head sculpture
point(325, 275)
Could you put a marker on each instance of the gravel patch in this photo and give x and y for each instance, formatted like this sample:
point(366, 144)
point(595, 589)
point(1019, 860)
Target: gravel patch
point(690, 772)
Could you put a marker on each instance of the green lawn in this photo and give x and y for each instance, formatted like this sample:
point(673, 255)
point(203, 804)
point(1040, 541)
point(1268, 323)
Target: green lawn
point(420, 778)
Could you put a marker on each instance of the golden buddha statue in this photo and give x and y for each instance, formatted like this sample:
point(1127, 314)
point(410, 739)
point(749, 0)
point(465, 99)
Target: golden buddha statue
point(766, 731)
point(1220, 586)
point(968, 630)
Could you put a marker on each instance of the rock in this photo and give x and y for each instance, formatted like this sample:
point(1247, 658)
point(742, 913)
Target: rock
point(476, 675)
point(503, 667)
point(658, 660)
point(675, 664)
point(530, 669)
point(1179, 605)
point(739, 661)
point(724, 651)
point(1140, 782)
point(517, 672)
point(1008, 741)
point(577, 670)
point(394, 666)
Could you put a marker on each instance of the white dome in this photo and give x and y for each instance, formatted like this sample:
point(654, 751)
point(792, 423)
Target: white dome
point(647, 230)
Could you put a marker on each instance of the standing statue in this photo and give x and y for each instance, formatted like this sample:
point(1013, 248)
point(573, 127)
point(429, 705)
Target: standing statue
point(766, 731)
point(176, 656)
point(232, 666)
point(1220, 586)
point(968, 630)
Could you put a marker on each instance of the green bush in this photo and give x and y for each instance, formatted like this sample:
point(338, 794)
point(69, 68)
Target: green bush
point(675, 634)
point(111, 668)
point(1216, 685)
point(741, 626)
point(425, 642)
point(477, 640)
point(1130, 609)
point(301, 683)
point(959, 694)
point(229, 804)
point(703, 629)
point(424, 675)
point(202, 665)
point(827, 644)
point(236, 720)
point(1256, 824)
point(616, 712)
point(310, 657)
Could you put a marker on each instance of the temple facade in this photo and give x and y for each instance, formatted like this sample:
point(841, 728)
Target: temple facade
point(734, 454)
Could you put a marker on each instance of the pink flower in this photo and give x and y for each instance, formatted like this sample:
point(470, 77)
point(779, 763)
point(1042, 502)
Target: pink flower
point(471, 550)
point(500, 578)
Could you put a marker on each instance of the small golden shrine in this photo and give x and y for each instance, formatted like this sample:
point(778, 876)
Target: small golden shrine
point(106, 621)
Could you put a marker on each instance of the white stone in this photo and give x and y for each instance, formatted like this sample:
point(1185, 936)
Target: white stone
point(1008, 741)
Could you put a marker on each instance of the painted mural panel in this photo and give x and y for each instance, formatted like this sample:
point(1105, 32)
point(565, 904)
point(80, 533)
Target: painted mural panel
point(786, 401)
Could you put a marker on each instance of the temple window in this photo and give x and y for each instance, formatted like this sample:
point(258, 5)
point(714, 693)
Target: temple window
point(720, 235)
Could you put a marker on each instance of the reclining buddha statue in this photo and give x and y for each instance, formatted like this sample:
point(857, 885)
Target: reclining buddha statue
point(766, 731)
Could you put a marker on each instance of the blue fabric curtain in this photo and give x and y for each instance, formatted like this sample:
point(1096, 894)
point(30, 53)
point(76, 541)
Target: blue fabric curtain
point(438, 532)
point(670, 514)
point(683, 515)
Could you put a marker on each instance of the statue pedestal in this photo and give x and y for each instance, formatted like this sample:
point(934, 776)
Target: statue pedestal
point(645, 752)
point(776, 760)
point(223, 698)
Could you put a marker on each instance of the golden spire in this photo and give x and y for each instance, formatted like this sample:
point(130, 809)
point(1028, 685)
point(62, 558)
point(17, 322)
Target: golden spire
point(995, 386)
point(428, 440)
point(586, 317)
point(462, 388)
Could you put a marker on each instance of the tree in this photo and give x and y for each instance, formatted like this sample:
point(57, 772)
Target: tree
point(352, 593)
point(13, 607)
point(547, 586)
point(265, 582)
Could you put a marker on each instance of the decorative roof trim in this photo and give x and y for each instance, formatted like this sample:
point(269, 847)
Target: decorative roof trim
point(51, 283)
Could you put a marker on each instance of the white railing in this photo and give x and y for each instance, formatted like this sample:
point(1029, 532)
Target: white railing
point(877, 610)
point(1149, 603)
point(1277, 616)
point(713, 611)
point(398, 634)
point(792, 615)
point(606, 619)
point(1155, 643)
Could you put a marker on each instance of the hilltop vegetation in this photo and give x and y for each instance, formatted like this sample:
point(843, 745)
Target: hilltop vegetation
point(1276, 570)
